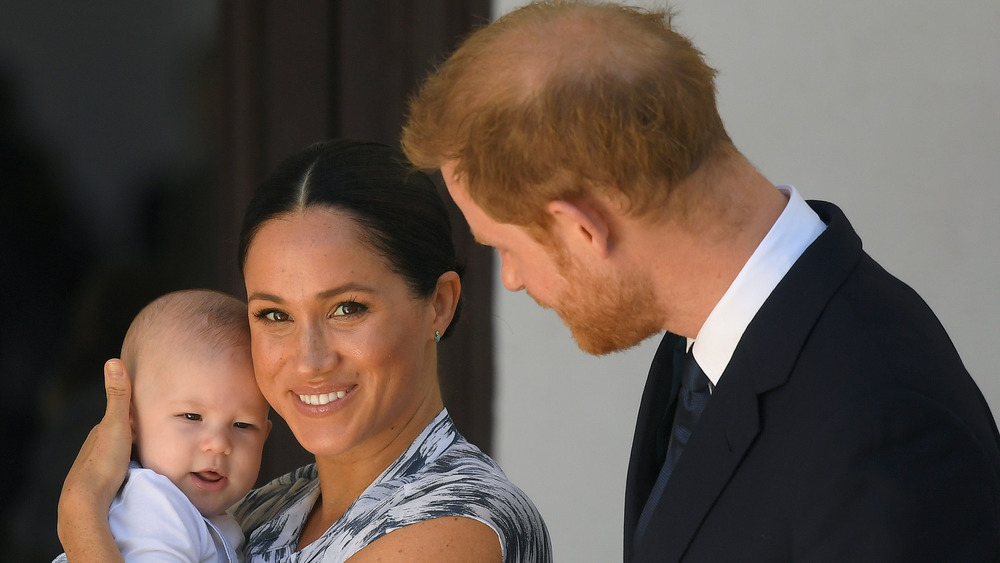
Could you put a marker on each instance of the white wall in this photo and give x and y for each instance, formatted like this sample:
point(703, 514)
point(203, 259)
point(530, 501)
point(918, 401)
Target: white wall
point(889, 109)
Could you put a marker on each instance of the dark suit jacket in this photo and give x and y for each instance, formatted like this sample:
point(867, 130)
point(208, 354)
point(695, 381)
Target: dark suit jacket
point(844, 429)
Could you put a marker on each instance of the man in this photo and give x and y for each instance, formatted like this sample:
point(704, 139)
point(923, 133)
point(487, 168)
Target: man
point(803, 405)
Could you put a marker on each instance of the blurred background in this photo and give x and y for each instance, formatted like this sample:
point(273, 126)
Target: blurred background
point(132, 134)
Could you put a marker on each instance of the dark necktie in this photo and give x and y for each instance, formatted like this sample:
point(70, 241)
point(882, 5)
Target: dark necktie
point(691, 400)
point(674, 432)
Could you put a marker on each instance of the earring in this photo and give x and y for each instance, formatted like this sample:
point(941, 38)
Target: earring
point(437, 336)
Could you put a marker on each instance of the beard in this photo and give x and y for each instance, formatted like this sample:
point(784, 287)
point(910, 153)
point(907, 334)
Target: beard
point(606, 312)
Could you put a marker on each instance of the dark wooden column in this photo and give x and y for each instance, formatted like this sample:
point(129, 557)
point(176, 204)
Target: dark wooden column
point(304, 71)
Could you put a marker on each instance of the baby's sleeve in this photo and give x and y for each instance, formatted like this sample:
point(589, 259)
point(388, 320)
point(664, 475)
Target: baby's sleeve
point(153, 521)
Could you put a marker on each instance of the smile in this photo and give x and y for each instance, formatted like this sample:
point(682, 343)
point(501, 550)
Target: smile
point(322, 399)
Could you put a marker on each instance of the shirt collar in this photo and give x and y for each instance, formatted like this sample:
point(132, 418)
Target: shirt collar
point(796, 228)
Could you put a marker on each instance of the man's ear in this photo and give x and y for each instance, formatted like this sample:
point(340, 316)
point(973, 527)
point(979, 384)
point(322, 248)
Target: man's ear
point(583, 222)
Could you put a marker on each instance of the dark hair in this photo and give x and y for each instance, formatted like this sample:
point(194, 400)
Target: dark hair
point(399, 210)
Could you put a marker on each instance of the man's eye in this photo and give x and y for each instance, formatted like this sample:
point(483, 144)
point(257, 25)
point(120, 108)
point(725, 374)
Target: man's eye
point(349, 308)
point(191, 416)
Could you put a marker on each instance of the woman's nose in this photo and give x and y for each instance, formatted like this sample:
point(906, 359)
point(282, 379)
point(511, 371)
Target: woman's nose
point(316, 355)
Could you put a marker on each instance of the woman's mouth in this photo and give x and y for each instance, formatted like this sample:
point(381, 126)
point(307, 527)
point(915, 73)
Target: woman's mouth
point(323, 398)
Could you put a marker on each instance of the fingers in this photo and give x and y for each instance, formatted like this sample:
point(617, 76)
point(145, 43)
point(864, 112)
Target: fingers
point(118, 389)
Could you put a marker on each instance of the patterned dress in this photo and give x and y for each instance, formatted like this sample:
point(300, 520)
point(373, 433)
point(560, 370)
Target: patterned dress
point(440, 474)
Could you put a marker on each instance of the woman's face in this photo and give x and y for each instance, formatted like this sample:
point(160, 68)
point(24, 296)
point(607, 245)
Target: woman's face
point(342, 349)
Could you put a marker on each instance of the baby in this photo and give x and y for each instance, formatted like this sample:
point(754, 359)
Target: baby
point(198, 424)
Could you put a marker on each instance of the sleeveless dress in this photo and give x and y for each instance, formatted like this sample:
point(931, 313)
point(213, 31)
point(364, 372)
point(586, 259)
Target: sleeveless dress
point(440, 474)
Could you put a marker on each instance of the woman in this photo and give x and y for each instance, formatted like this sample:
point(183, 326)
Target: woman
point(351, 280)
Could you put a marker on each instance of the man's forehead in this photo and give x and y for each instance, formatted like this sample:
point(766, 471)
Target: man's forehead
point(485, 230)
point(457, 189)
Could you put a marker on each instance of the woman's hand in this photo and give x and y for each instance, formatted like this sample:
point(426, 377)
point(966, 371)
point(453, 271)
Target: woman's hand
point(96, 476)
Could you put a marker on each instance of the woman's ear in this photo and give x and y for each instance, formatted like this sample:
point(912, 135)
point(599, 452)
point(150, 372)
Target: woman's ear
point(445, 300)
point(582, 224)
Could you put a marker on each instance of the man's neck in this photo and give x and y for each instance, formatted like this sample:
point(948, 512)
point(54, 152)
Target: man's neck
point(693, 261)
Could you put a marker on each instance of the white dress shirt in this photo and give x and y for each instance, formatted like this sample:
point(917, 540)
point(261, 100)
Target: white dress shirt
point(796, 228)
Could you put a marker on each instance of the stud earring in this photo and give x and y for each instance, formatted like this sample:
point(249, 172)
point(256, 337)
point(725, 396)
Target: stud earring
point(437, 336)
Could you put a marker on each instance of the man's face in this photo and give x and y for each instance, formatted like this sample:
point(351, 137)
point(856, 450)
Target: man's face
point(525, 263)
point(605, 310)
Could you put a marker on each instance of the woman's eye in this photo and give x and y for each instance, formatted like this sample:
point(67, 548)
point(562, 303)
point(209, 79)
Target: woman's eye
point(272, 316)
point(349, 308)
point(191, 416)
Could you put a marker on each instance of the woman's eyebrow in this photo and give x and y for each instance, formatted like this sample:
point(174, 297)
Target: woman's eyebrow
point(326, 294)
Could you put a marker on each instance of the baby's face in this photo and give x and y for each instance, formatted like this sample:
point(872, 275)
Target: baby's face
point(200, 421)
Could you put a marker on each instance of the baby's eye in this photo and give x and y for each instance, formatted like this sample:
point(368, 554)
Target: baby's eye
point(191, 416)
point(243, 425)
point(349, 308)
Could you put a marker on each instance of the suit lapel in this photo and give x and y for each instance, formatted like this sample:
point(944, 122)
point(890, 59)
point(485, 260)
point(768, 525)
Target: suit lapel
point(731, 421)
point(725, 431)
point(657, 402)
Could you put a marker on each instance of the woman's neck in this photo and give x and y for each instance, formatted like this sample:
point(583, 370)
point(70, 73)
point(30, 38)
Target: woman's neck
point(343, 478)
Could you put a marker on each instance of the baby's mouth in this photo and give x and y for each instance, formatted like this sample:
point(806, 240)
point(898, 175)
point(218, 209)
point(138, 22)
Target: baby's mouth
point(208, 476)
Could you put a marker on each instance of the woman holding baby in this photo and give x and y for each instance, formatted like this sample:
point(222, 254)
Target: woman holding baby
point(351, 280)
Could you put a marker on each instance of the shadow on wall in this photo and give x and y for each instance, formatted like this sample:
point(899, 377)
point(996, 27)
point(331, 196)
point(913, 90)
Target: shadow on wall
point(69, 304)
point(45, 252)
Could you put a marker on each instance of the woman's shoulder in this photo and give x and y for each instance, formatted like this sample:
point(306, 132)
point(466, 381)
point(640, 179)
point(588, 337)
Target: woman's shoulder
point(463, 481)
point(442, 463)
point(473, 481)
point(442, 475)
point(462, 458)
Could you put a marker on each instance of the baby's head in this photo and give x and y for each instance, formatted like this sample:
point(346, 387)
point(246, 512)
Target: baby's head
point(198, 417)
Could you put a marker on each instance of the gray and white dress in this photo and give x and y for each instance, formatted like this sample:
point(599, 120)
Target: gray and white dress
point(440, 474)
